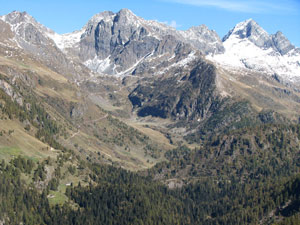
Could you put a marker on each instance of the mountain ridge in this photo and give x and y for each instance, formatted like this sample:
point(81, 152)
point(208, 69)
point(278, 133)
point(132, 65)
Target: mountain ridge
point(127, 47)
point(127, 32)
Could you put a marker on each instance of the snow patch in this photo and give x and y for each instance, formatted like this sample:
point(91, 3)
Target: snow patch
point(98, 65)
point(192, 56)
point(66, 40)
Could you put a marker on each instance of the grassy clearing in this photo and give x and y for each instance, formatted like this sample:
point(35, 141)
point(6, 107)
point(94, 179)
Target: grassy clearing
point(155, 135)
point(19, 142)
point(9, 152)
point(57, 198)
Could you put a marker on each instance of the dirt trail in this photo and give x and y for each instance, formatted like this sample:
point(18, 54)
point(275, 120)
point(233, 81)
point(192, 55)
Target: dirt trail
point(86, 122)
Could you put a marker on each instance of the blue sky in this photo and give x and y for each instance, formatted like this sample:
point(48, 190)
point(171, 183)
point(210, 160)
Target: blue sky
point(220, 15)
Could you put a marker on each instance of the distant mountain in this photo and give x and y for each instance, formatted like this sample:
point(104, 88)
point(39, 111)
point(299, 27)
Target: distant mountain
point(123, 43)
point(116, 43)
point(152, 53)
point(249, 46)
point(33, 38)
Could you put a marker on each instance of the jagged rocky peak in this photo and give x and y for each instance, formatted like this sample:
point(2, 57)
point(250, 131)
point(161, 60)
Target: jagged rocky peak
point(108, 30)
point(16, 17)
point(124, 16)
point(24, 24)
point(282, 44)
point(106, 15)
point(126, 13)
point(200, 30)
point(114, 42)
point(204, 39)
point(37, 40)
point(125, 24)
point(250, 47)
point(250, 30)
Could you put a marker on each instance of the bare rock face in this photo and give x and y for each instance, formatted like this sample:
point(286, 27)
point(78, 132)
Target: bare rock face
point(33, 38)
point(8, 89)
point(88, 44)
point(6, 32)
point(207, 41)
point(122, 39)
point(282, 44)
point(30, 36)
point(189, 95)
point(114, 43)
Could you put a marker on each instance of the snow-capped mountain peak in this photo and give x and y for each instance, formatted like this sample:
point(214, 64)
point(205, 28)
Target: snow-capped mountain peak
point(250, 47)
point(250, 30)
point(116, 42)
point(106, 15)
point(281, 43)
point(18, 17)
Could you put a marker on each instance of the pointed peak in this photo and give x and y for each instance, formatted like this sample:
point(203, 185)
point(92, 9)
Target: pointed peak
point(126, 11)
point(18, 17)
point(18, 13)
point(282, 44)
point(15, 14)
point(126, 16)
point(100, 16)
point(279, 34)
point(246, 24)
point(203, 30)
point(250, 20)
point(248, 29)
point(200, 27)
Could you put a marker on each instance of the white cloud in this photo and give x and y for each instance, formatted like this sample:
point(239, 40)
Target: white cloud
point(250, 6)
point(172, 23)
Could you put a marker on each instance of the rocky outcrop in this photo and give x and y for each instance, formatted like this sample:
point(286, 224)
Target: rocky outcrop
point(281, 43)
point(189, 95)
point(203, 39)
point(8, 89)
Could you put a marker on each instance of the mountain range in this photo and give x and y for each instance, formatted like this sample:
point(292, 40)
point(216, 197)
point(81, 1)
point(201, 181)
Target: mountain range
point(109, 38)
point(136, 68)
point(179, 106)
